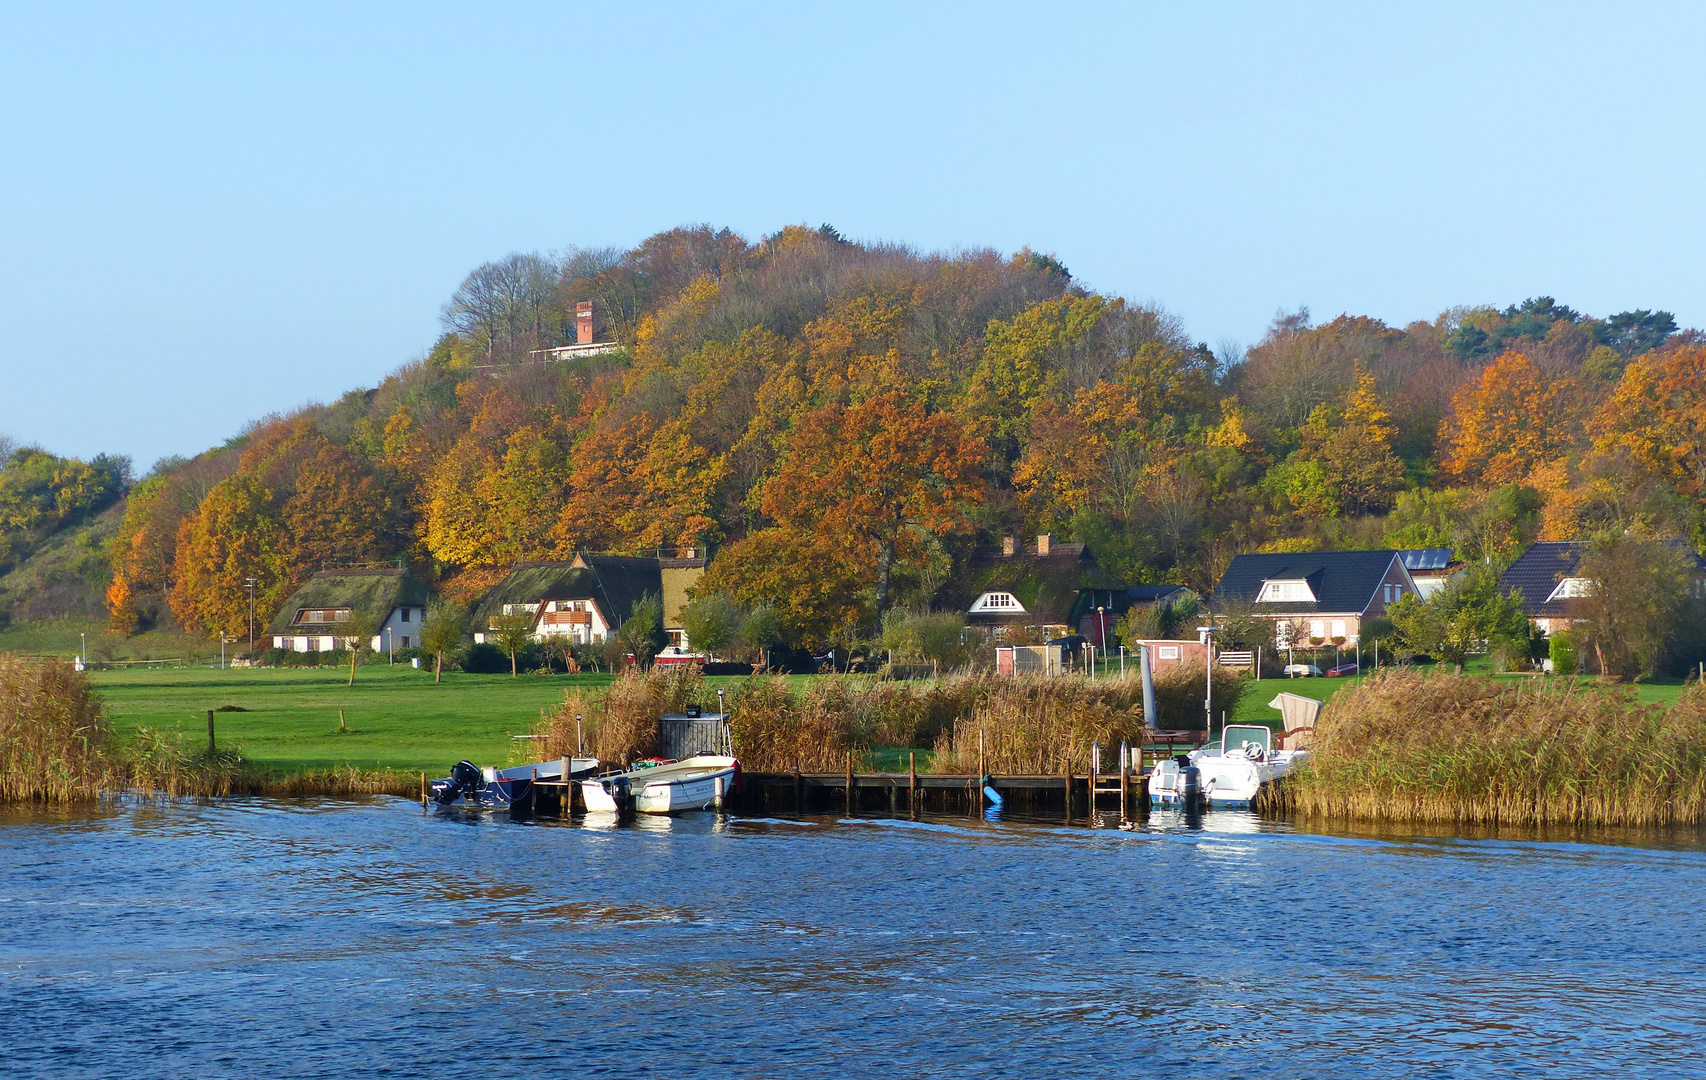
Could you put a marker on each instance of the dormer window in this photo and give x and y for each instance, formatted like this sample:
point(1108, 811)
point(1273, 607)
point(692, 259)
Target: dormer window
point(997, 602)
point(1285, 590)
point(1572, 588)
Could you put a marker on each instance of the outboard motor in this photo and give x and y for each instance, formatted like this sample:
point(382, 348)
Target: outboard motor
point(1190, 784)
point(466, 779)
point(620, 790)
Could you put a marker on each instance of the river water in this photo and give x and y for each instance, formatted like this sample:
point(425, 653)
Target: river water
point(278, 938)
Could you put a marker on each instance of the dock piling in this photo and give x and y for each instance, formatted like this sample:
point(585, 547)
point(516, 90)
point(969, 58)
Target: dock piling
point(849, 783)
point(912, 783)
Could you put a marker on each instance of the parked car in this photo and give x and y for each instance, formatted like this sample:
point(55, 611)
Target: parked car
point(1342, 669)
point(1299, 671)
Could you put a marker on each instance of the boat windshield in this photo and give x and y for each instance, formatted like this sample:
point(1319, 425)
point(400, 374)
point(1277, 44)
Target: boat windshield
point(1237, 736)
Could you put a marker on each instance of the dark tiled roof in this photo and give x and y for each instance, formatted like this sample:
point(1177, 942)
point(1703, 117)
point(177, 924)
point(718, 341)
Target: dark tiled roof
point(370, 594)
point(1344, 582)
point(1538, 570)
point(1049, 586)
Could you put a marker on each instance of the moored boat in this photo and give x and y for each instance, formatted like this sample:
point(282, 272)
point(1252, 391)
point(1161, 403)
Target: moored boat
point(694, 783)
point(1230, 774)
point(470, 785)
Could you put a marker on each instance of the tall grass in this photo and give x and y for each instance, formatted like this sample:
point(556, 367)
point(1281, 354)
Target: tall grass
point(1028, 724)
point(55, 742)
point(1408, 747)
point(1046, 725)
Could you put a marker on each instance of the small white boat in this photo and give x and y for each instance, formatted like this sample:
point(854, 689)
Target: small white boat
point(470, 785)
point(694, 783)
point(1230, 774)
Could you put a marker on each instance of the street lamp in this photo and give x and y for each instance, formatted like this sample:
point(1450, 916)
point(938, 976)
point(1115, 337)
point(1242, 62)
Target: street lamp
point(250, 582)
point(1206, 633)
point(1102, 623)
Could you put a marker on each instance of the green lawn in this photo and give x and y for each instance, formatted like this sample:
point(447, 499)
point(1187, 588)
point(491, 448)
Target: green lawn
point(397, 718)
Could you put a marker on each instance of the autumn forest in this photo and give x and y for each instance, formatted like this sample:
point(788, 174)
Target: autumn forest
point(841, 423)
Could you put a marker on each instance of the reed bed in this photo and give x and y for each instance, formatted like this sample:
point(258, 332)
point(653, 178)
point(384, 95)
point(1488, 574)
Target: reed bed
point(1043, 725)
point(1402, 746)
point(1028, 724)
point(620, 723)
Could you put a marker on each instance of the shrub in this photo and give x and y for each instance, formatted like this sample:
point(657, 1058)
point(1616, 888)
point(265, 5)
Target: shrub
point(1562, 649)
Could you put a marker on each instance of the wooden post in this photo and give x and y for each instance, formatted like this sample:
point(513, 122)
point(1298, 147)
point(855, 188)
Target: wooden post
point(849, 783)
point(423, 789)
point(1069, 793)
point(912, 783)
point(210, 733)
point(1125, 791)
point(799, 789)
point(1095, 774)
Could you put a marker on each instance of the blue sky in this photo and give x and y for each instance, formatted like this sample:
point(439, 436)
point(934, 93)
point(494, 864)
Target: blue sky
point(222, 211)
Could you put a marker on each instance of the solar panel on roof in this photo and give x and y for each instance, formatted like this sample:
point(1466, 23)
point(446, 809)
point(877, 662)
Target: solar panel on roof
point(1426, 558)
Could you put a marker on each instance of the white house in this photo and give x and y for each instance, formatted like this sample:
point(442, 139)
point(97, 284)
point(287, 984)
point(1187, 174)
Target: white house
point(317, 616)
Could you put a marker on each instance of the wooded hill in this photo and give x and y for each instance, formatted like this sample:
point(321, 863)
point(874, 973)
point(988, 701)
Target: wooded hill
point(841, 422)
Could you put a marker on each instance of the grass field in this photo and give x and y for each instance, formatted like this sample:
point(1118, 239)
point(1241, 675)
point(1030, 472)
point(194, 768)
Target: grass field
point(396, 717)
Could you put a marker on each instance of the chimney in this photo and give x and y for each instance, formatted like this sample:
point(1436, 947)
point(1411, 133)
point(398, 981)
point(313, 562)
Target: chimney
point(1044, 542)
point(1009, 545)
point(583, 322)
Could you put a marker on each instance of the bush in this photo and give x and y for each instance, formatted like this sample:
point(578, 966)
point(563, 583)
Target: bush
point(1562, 649)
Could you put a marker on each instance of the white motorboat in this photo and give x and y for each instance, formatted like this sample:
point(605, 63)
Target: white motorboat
point(470, 785)
point(694, 783)
point(1229, 774)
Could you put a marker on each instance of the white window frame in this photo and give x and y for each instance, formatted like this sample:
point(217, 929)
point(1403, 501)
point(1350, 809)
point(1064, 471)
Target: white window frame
point(1285, 590)
point(1167, 652)
point(1571, 588)
point(998, 602)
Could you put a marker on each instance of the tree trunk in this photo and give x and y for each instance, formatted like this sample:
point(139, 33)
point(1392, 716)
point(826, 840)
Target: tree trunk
point(438, 668)
point(512, 665)
point(352, 665)
point(885, 560)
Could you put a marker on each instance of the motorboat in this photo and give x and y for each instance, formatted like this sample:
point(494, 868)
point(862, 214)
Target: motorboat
point(1229, 774)
point(694, 783)
point(471, 785)
point(675, 656)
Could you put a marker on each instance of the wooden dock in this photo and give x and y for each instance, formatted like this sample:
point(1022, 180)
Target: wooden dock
point(1072, 794)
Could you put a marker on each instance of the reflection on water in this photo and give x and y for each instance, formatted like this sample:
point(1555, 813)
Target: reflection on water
point(325, 938)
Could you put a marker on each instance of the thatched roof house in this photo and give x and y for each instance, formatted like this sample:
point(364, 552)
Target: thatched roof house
point(317, 616)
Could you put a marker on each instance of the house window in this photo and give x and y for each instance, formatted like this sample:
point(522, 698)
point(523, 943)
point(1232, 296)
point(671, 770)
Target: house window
point(323, 615)
point(1572, 588)
point(1169, 652)
point(1282, 591)
point(405, 641)
point(1338, 628)
point(1317, 628)
point(520, 609)
point(405, 615)
point(998, 601)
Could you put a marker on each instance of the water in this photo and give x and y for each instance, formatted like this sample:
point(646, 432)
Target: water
point(264, 937)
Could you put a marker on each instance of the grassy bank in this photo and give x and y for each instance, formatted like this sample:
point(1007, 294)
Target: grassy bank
point(1409, 746)
point(394, 717)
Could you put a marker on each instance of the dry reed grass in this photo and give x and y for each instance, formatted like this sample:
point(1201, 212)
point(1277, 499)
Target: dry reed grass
point(1439, 748)
point(1028, 725)
point(1046, 725)
point(619, 723)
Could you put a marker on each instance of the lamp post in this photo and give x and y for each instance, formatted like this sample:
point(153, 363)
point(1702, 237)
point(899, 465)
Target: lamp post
point(390, 650)
point(1102, 624)
point(1207, 635)
point(83, 653)
point(250, 582)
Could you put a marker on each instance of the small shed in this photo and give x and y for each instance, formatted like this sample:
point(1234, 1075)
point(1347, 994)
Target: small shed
point(682, 735)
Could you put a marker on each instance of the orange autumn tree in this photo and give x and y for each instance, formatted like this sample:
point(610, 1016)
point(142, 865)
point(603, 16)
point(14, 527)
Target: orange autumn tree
point(234, 535)
point(872, 474)
point(1506, 423)
point(1657, 416)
